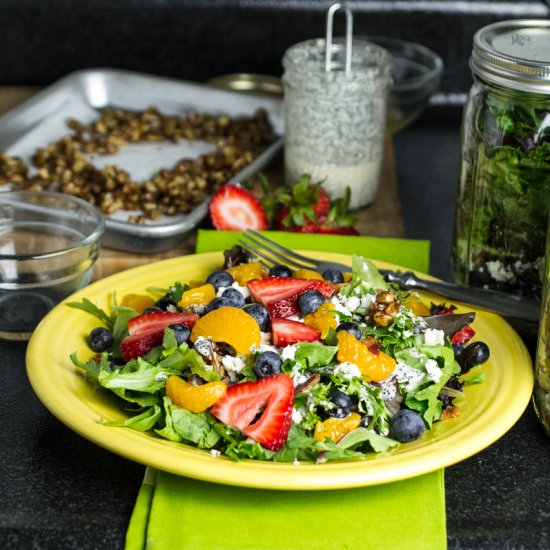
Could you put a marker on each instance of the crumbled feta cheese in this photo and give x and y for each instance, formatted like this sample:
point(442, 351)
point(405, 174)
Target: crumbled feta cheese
point(215, 452)
point(288, 352)
point(298, 415)
point(349, 370)
point(434, 337)
point(161, 376)
point(242, 289)
point(233, 364)
point(203, 346)
point(339, 306)
point(498, 271)
point(297, 376)
point(198, 308)
point(263, 347)
point(348, 304)
point(433, 370)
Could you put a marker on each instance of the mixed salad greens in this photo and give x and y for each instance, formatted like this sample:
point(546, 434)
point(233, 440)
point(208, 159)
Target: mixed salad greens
point(502, 209)
point(282, 366)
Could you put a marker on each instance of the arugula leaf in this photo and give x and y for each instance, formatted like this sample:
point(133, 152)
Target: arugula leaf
point(89, 307)
point(315, 355)
point(364, 278)
point(357, 437)
point(197, 428)
point(91, 368)
point(181, 358)
point(142, 422)
point(137, 375)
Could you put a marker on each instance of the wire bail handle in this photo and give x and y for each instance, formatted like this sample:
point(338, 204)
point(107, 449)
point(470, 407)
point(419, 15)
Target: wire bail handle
point(349, 33)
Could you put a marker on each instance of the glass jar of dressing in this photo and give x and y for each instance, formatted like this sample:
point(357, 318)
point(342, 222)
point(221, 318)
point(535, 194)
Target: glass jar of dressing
point(335, 95)
point(504, 193)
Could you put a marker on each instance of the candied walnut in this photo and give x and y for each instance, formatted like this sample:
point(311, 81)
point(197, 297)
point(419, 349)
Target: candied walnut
point(174, 190)
point(384, 309)
point(450, 412)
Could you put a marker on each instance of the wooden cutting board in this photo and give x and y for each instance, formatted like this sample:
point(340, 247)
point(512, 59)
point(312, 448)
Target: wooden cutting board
point(383, 218)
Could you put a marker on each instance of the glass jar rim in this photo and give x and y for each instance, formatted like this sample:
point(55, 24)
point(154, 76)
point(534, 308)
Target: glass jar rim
point(514, 54)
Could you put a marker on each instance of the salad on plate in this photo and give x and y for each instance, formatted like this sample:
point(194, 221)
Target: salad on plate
point(282, 365)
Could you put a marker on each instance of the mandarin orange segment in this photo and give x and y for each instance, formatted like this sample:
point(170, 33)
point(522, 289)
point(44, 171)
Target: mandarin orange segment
point(194, 398)
point(336, 428)
point(375, 366)
point(231, 325)
point(138, 302)
point(307, 274)
point(323, 319)
point(415, 304)
point(243, 273)
point(198, 296)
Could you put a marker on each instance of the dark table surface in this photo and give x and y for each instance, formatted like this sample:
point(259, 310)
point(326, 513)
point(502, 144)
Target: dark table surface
point(59, 491)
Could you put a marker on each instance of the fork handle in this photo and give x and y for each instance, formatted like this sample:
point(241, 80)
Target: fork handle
point(504, 304)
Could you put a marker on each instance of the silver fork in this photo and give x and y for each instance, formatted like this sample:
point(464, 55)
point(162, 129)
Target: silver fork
point(509, 305)
point(272, 253)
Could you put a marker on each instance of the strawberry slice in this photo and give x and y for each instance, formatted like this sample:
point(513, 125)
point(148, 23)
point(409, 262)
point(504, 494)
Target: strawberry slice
point(242, 402)
point(234, 208)
point(274, 289)
point(465, 334)
point(280, 294)
point(285, 332)
point(136, 345)
point(159, 320)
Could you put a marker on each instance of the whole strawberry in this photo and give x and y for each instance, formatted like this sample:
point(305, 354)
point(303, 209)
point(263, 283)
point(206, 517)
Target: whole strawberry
point(306, 207)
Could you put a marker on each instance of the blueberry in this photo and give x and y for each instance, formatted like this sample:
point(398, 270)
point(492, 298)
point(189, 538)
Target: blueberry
point(458, 349)
point(342, 404)
point(181, 333)
point(267, 364)
point(234, 297)
point(100, 339)
point(406, 425)
point(116, 362)
point(260, 315)
point(165, 302)
point(280, 270)
point(217, 303)
point(152, 309)
point(333, 276)
point(473, 355)
point(220, 278)
point(309, 301)
point(350, 327)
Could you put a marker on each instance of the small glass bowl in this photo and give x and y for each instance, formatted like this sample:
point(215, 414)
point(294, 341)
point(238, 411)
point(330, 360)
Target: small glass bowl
point(417, 73)
point(48, 245)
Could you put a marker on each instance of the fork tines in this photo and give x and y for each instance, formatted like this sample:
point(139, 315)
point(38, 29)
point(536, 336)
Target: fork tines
point(272, 253)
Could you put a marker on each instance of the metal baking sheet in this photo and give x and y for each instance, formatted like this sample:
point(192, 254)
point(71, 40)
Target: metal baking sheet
point(81, 95)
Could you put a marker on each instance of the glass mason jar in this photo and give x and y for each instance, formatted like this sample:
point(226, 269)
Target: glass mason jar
point(504, 193)
point(541, 395)
point(335, 119)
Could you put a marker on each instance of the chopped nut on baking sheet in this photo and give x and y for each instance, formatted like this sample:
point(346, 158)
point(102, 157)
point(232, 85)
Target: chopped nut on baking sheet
point(63, 165)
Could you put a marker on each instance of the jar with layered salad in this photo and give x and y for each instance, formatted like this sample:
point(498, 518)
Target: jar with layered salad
point(504, 192)
point(541, 394)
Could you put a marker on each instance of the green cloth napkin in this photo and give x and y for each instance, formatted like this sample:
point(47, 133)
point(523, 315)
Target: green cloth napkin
point(174, 512)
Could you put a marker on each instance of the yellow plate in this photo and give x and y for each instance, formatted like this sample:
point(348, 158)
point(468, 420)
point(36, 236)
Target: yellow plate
point(488, 410)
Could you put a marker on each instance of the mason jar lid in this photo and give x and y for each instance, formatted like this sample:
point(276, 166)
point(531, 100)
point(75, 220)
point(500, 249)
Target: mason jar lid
point(514, 54)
